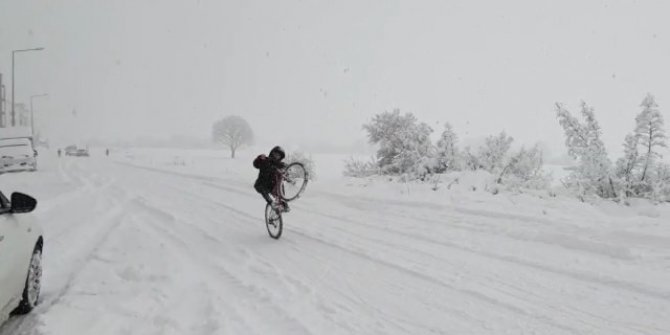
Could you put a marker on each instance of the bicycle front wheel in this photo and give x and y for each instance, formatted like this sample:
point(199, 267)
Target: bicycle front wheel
point(294, 181)
point(274, 222)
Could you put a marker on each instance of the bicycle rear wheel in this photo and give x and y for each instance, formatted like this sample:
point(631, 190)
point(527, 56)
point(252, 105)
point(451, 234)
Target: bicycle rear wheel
point(274, 222)
point(294, 181)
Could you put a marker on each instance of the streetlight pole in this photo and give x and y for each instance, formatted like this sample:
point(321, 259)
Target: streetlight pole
point(2, 103)
point(32, 116)
point(14, 52)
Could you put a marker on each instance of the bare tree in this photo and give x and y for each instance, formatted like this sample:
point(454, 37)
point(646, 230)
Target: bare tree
point(233, 132)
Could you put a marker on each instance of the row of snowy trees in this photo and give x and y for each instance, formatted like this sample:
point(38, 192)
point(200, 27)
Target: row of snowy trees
point(406, 149)
point(639, 173)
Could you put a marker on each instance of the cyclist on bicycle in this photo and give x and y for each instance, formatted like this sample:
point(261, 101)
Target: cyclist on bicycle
point(269, 178)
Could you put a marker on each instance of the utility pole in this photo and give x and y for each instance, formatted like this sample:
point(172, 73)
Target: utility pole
point(2, 103)
point(13, 93)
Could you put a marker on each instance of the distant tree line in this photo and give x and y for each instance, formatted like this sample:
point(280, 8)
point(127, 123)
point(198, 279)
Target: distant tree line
point(406, 149)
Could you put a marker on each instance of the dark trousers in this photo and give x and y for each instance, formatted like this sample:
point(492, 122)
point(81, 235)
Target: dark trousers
point(268, 188)
point(264, 190)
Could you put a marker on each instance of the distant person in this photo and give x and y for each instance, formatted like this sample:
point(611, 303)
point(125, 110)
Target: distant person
point(107, 152)
point(59, 153)
point(268, 176)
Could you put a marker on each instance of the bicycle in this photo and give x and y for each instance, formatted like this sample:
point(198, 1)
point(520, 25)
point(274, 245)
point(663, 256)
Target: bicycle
point(290, 184)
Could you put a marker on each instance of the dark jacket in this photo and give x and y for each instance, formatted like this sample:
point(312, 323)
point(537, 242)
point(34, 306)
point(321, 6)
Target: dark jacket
point(268, 172)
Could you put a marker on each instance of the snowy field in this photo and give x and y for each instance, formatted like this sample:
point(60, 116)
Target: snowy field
point(174, 242)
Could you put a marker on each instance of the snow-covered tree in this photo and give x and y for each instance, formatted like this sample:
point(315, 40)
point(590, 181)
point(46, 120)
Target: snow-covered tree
point(524, 169)
point(493, 154)
point(650, 131)
point(446, 151)
point(627, 166)
point(584, 143)
point(660, 182)
point(359, 169)
point(403, 141)
point(471, 160)
point(233, 132)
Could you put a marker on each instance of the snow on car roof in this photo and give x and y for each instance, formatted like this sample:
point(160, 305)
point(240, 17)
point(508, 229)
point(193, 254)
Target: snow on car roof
point(7, 142)
point(13, 132)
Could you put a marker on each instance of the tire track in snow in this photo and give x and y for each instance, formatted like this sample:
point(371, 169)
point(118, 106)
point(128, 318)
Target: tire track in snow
point(487, 298)
point(520, 293)
point(471, 294)
point(402, 269)
point(430, 240)
point(169, 218)
point(273, 314)
point(614, 283)
point(585, 278)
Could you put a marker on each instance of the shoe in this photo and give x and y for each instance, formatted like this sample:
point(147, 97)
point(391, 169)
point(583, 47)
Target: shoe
point(286, 207)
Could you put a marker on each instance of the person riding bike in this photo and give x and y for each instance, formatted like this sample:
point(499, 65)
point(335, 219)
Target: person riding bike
point(269, 178)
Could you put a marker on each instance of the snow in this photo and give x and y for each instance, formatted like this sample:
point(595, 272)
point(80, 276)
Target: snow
point(12, 132)
point(160, 241)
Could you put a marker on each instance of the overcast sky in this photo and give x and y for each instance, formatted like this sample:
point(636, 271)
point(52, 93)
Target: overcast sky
point(314, 71)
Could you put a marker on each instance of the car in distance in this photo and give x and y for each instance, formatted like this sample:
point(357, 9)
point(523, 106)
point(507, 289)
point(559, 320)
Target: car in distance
point(21, 243)
point(70, 150)
point(81, 153)
point(77, 152)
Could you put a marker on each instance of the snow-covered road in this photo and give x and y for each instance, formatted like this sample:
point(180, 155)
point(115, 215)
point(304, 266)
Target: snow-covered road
point(134, 249)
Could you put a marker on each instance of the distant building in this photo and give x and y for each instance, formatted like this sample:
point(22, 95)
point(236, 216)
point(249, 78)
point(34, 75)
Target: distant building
point(22, 115)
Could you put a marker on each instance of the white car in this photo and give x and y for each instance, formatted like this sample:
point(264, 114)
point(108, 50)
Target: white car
point(17, 154)
point(70, 150)
point(20, 256)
